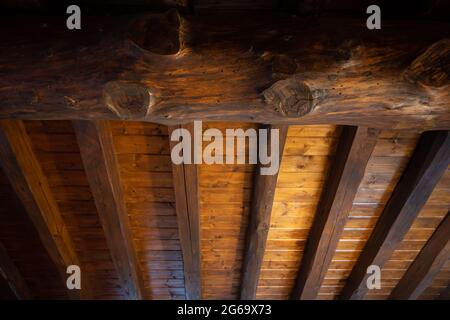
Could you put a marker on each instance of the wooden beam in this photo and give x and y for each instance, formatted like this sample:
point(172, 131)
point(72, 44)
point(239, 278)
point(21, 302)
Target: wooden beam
point(100, 164)
point(263, 194)
point(264, 70)
point(355, 147)
point(11, 274)
point(185, 183)
point(425, 168)
point(29, 182)
point(427, 264)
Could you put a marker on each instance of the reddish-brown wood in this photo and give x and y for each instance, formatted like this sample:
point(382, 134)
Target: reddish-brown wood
point(355, 147)
point(28, 180)
point(428, 163)
point(258, 228)
point(185, 184)
point(426, 265)
point(100, 163)
point(257, 68)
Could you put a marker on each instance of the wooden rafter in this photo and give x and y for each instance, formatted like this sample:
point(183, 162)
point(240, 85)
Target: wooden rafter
point(29, 182)
point(11, 274)
point(100, 163)
point(365, 78)
point(427, 264)
point(185, 183)
point(353, 152)
point(425, 168)
point(258, 228)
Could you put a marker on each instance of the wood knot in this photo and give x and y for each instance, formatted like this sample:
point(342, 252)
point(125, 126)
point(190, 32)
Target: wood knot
point(432, 68)
point(158, 32)
point(128, 100)
point(292, 97)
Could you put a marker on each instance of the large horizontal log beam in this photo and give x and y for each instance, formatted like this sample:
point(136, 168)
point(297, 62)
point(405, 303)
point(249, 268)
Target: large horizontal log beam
point(266, 68)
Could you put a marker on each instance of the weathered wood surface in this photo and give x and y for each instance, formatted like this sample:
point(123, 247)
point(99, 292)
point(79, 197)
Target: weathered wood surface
point(426, 265)
point(348, 166)
point(186, 187)
point(258, 228)
point(426, 166)
point(146, 175)
point(225, 203)
point(100, 163)
point(264, 68)
point(307, 155)
point(29, 182)
point(11, 274)
point(56, 147)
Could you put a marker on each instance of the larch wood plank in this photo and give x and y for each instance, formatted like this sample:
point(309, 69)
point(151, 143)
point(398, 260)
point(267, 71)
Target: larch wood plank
point(424, 170)
point(426, 265)
point(261, 209)
point(355, 147)
point(186, 187)
point(97, 152)
point(29, 182)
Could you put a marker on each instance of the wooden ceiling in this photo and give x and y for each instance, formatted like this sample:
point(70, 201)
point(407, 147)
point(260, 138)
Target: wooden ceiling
point(86, 176)
point(335, 186)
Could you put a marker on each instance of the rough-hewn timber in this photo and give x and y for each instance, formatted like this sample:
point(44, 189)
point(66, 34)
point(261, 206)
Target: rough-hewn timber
point(270, 69)
point(100, 164)
point(185, 184)
point(29, 182)
point(353, 152)
point(426, 166)
point(427, 264)
point(263, 195)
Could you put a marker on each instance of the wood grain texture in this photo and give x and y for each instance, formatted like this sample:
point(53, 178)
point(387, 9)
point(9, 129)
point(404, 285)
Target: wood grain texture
point(422, 228)
point(186, 186)
point(355, 147)
point(142, 149)
point(11, 274)
point(100, 163)
point(69, 184)
point(302, 174)
point(426, 265)
point(153, 219)
point(27, 178)
point(258, 228)
point(428, 163)
point(239, 67)
point(23, 245)
point(225, 201)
